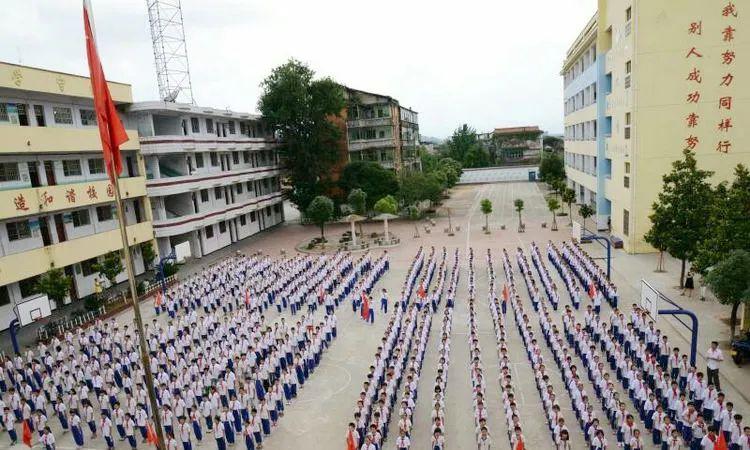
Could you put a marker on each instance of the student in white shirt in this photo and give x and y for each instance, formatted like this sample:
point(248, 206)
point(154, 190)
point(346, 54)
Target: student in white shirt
point(714, 357)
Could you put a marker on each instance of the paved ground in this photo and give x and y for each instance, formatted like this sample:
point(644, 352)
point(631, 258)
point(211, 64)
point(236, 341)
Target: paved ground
point(318, 418)
point(497, 174)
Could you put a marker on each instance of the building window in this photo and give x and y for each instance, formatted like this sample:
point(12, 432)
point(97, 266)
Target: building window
point(39, 113)
point(194, 125)
point(104, 213)
point(18, 230)
point(209, 126)
point(4, 296)
point(218, 192)
point(9, 172)
point(81, 218)
point(235, 157)
point(626, 182)
point(71, 167)
point(268, 211)
point(62, 115)
point(199, 160)
point(204, 195)
point(277, 208)
point(222, 227)
point(252, 216)
point(214, 159)
point(87, 267)
point(28, 286)
point(88, 117)
point(627, 125)
point(627, 167)
point(243, 220)
point(4, 117)
point(231, 126)
point(96, 166)
point(243, 128)
point(626, 222)
point(239, 188)
point(209, 232)
point(246, 157)
point(629, 13)
point(249, 186)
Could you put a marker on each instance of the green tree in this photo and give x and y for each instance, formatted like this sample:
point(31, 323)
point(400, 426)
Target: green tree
point(357, 200)
point(585, 211)
point(730, 281)
point(569, 197)
point(476, 156)
point(659, 233)
point(148, 253)
point(298, 108)
point(375, 180)
point(386, 205)
point(486, 206)
point(554, 143)
point(320, 211)
point(416, 187)
point(686, 198)
point(518, 204)
point(553, 206)
point(110, 266)
point(551, 168)
point(728, 222)
point(55, 284)
point(452, 169)
point(463, 139)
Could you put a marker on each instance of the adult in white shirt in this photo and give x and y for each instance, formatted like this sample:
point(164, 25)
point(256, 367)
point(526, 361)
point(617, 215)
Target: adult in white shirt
point(714, 357)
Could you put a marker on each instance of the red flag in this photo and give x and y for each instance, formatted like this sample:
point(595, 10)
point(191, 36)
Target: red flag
point(111, 131)
point(721, 443)
point(365, 306)
point(519, 445)
point(350, 445)
point(26, 434)
point(592, 290)
point(506, 294)
point(151, 435)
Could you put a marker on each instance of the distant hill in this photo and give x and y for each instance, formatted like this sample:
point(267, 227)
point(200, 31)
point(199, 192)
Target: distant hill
point(430, 139)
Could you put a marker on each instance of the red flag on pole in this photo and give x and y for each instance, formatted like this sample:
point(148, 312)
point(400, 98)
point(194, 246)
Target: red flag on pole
point(350, 445)
point(26, 437)
point(721, 443)
point(365, 306)
point(506, 294)
point(151, 435)
point(111, 131)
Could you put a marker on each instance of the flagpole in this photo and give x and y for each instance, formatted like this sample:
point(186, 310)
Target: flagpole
point(145, 361)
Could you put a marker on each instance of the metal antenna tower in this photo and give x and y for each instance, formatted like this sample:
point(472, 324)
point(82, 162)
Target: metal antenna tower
point(170, 51)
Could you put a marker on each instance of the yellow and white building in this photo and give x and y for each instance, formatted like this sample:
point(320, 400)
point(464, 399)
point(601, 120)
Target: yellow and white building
point(56, 202)
point(643, 81)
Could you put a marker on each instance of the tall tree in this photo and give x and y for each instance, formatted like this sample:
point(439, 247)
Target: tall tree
point(476, 156)
point(416, 187)
point(687, 199)
point(320, 211)
point(585, 211)
point(463, 139)
point(518, 204)
point(486, 206)
point(730, 281)
point(553, 205)
point(569, 197)
point(298, 107)
point(551, 168)
point(148, 253)
point(357, 200)
point(55, 284)
point(729, 224)
point(375, 180)
point(658, 235)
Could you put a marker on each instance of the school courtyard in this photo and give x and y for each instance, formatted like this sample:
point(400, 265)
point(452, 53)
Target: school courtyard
point(318, 418)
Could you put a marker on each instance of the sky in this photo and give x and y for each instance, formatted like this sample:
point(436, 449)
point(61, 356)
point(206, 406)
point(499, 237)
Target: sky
point(487, 63)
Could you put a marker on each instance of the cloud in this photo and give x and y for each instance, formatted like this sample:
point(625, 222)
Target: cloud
point(485, 63)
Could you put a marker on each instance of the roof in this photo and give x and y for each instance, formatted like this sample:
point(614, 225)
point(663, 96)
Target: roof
point(517, 130)
point(187, 108)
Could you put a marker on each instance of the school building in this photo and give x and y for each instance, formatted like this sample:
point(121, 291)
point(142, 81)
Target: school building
point(643, 81)
point(213, 176)
point(56, 202)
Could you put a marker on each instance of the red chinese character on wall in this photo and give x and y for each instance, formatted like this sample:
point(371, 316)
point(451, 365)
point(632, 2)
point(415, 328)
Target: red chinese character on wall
point(691, 142)
point(693, 52)
point(46, 198)
point(725, 102)
point(727, 80)
point(727, 57)
point(695, 75)
point(20, 202)
point(724, 146)
point(91, 191)
point(725, 124)
point(729, 10)
point(696, 28)
point(693, 97)
point(110, 190)
point(70, 195)
point(692, 120)
point(728, 34)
